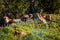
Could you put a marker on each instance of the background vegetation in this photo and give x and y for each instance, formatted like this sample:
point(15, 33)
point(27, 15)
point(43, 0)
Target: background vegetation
point(16, 8)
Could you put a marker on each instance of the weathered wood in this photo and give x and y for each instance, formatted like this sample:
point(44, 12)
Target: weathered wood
point(41, 18)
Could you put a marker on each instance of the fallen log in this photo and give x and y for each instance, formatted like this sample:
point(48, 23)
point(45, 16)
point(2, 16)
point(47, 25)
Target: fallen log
point(41, 18)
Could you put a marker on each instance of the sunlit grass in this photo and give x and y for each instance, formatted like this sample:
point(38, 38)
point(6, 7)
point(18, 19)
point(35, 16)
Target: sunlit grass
point(32, 30)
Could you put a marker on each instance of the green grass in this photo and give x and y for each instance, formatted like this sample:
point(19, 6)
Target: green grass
point(32, 30)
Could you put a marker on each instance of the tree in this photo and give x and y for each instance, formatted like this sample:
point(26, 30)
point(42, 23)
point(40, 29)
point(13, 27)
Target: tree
point(2, 6)
point(49, 6)
point(15, 8)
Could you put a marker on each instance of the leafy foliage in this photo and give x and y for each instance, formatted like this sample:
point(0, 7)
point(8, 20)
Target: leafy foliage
point(16, 8)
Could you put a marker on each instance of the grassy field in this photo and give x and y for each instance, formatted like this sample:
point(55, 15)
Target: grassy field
point(33, 30)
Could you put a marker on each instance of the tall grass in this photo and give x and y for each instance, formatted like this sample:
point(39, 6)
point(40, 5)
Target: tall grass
point(31, 30)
